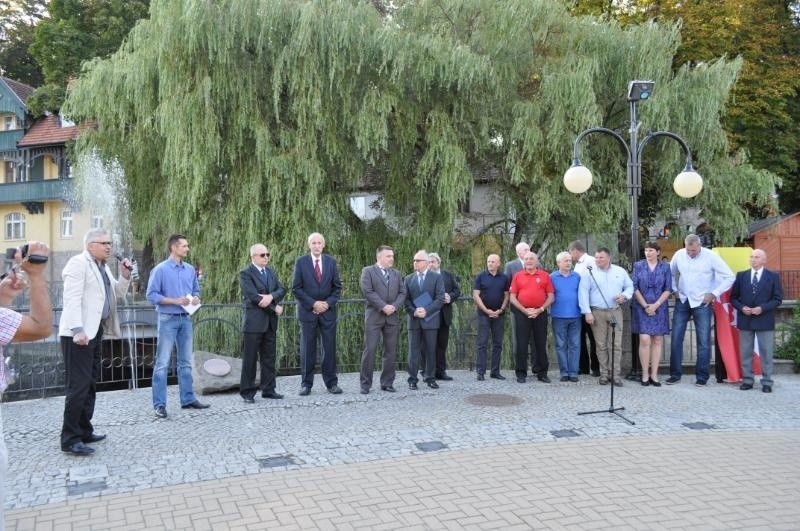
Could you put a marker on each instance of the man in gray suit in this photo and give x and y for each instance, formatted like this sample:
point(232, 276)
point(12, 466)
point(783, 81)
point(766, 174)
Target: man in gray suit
point(424, 300)
point(385, 291)
point(516, 265)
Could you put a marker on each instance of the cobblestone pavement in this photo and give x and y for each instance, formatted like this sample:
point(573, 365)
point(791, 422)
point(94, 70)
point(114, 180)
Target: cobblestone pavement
point(491, 454)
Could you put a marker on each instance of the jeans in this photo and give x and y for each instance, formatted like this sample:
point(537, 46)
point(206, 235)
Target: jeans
point(173, 329)
point(494, 327)
point(567, 334)
point(702, 327)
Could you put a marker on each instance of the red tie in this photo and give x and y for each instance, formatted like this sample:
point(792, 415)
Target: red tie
point(317, 270)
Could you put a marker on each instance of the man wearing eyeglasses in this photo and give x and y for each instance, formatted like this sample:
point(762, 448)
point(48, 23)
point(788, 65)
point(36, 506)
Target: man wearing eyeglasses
point(424, 300)
point(88, 317)
point(262, 294)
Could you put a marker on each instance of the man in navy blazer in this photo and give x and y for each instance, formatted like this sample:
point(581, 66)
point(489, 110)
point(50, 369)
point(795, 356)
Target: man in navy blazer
point(262, 294)
point(385, 291)
point(317, 288)
point(451, 294)
point(424, 300)
point(755, 294)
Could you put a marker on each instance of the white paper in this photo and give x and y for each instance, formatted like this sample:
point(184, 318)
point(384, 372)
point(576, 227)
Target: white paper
point(191, 308)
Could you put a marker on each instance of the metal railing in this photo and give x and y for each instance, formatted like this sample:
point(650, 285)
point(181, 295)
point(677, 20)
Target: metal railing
point(128, 362)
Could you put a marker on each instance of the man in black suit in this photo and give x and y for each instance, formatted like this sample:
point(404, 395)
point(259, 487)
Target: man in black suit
point(262, 294)
point(451, 294)
point(385, 291)
point(317, 288)
point(424, 300)
point(755, 294)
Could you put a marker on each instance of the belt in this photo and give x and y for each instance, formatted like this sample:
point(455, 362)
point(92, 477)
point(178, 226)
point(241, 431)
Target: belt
point(181, 314)
point(597, 308)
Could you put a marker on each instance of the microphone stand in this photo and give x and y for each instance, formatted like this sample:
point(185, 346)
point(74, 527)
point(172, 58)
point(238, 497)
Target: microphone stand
point(611, 408)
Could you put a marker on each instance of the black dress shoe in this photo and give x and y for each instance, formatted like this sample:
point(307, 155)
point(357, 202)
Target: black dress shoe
point(304, 391)
point(248, 400)
point(573, 379)
point(387, 388)
point(655, 383)
point(432, 384)
point(78, 449)
point(564, 379)
point(520, 379)
point(746, 386)
point(272, 394)
point(412, 386)
point(93, 438)
point(596, 374)
point(481, 378)
point(543, 379)
point(645, 383)
point(766, 388)
point(335, 390)
point(364, 391)
point(444, 377)
point(195, 405)
point(497, 376)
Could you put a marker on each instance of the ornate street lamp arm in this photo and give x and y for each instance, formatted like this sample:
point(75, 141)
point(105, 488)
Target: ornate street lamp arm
point(686, 151)
point(576, 148)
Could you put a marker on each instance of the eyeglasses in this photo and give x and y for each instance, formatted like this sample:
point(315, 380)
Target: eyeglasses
point(104, 243)
point(419, 260)
point(263, 255)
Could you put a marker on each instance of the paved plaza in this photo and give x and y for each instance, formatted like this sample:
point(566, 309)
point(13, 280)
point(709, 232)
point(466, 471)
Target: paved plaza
point(470, 455)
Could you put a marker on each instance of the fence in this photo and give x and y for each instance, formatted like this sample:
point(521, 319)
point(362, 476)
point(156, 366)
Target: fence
point(128, 362)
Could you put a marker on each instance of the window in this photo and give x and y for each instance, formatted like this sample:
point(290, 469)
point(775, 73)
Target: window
point(97, 221)
point(8, 123)
point(15, 226)
point(66, 223)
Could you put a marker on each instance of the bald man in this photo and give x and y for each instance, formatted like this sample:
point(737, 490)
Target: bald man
point(756, 294)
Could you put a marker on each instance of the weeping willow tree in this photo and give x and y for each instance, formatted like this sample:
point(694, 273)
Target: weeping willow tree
point(244, 121)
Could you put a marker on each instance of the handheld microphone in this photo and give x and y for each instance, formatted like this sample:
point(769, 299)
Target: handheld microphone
point(120, 258)
point(589, 268)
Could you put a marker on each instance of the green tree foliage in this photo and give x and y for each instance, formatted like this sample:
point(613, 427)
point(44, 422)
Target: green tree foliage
point(74, 32)
point(244, 121)
point(16, 35)
point(763, 116)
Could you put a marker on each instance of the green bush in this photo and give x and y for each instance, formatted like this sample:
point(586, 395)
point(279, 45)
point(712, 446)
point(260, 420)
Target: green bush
point(790, 349)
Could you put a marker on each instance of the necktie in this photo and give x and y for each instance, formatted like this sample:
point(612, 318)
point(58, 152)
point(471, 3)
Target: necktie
point(317, 270)
point(755, 282)
point(420, 278)
point(385, 276)
point(263, 273)
point(107, 287)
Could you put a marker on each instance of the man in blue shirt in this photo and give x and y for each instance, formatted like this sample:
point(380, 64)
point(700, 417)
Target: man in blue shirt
point(173, 285)
point(602, 289)
point(490, 293)
point(698, 277)
point(565, 317)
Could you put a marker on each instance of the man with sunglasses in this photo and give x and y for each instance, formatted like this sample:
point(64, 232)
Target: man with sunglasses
point(262, 294)
point(88, 317)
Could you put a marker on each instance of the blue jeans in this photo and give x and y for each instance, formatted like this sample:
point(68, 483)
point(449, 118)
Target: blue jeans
point(173, 329)
point(702, 328)
point(567, 334)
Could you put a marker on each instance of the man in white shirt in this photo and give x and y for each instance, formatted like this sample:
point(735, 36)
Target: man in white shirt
point(588, 361)
point(698, 277)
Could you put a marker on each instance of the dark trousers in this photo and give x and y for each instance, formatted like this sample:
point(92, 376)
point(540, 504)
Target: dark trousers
point(525, 328)
point(81, 370)
point(589, 359)
point(260, 348)
point(495, 328)
point(421, 349)
point(308, 351)
point(442, 339)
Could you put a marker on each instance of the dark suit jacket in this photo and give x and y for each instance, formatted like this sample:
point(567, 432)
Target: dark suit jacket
point(452, 289)
point(252, 284)
point(378, 294)
point(307, 290)
point(769, 296)
point(512, 268)
point(434, 285)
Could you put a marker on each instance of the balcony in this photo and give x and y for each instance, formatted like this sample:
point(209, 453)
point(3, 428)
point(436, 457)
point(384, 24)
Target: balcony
point(9, 139)
point(33, 191)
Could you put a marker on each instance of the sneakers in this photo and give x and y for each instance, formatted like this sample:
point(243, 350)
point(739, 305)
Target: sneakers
point(161, 412)
point(672, 380)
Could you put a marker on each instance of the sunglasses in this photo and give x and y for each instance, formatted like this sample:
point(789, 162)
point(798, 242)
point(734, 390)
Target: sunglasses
point(263, 255)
